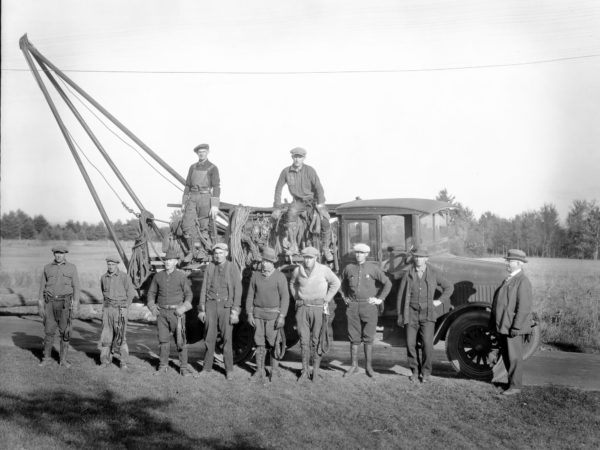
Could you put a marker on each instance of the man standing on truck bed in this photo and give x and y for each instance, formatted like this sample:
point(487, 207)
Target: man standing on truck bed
point(57, 301)
point(364, 287)
point(416, 310)
point(169, 297)
point(118, 293)
point(307, 192)
point(511, 318)
point(200, 196)
point(220, 305)
point(313, 286)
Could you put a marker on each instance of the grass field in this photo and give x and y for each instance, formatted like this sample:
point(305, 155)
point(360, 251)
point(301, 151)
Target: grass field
point(566, 292)
point(86, 407)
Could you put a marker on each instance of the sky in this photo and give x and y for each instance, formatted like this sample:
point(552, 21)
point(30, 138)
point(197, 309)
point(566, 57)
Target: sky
point(498, 102)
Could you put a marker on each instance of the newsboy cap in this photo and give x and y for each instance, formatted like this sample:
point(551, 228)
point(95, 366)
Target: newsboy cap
point(420, 253)
point(113, 258)
point(298, 151)
point(269, 254)
point(201, 147)
point(60, 249)
point(220, 246)
point(172, 254)
point(517, 254)
point(310, 252)
point(361, 248)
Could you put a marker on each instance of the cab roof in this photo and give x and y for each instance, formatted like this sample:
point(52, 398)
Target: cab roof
point(393, 206)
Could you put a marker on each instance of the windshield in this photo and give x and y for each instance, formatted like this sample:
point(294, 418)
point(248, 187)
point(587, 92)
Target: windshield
point(434, 232)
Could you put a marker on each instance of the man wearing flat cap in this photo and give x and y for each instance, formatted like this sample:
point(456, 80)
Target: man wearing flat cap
point(220, 305)
point(307, 192)
point(313, 286)
point(417, 311)
point(364, 288)
point(169, 297)
point(511, 318)
point(266, 306)
point(57, 301)
point(118, 293)
point(200, 196)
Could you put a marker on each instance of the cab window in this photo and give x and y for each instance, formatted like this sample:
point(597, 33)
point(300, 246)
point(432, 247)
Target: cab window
point(393, 234)
point(362, 231)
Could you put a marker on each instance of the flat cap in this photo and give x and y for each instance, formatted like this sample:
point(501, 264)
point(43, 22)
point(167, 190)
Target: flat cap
point(361, 248)
point(517, 254)
point(420, 252)
point(113, 258)
point(60, 249)
point(298, 151)
point(220, 246)
point(310, 252)
point(201, 147)
point(269, 254)
point(172, 254)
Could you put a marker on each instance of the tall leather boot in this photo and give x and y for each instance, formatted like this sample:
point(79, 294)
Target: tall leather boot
point(64, 350)
point(274, 367)
point(368, 358)
point(354, 358)
point(304, 375)
point(105, 358)
point(124, 357)
point(47, 357)
point(259, 374)
point(189, 250)
point(163, 366)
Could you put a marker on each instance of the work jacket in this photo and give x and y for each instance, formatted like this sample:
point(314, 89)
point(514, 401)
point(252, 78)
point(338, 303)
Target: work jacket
point(511, 308)
point(433, 280)
point(231, 284)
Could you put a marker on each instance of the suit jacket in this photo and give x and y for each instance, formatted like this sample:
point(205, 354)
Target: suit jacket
point(433, 280)
point(511, 308)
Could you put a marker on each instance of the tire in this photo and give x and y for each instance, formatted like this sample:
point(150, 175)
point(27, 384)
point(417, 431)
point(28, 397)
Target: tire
point(242, 342)
point(472, 348)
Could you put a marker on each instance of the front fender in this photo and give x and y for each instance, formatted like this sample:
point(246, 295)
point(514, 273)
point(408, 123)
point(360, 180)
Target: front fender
point(443, 323)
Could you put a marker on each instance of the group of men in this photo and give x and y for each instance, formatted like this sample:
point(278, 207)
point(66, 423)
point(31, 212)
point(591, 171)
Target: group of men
point(363, 287)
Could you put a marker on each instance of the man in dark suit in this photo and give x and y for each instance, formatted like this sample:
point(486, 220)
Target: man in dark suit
point(511, 318)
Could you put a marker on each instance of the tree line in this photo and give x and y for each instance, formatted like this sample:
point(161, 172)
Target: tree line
point(538, 233)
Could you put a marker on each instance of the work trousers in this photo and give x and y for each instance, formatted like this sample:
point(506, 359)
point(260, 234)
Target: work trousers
point(114, 328)
point(166, 322)
point(217, 322)
point(57, 314)
point(512, 354)
point(362, 322)
point(423, 329)
point(299, 206)
point(309, 320)
point(197, 206)
point(265, 331)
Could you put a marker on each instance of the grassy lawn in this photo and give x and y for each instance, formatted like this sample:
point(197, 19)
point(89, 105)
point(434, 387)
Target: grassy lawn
point(85, 407)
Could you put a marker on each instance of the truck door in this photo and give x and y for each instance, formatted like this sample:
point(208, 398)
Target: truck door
point(355, 231)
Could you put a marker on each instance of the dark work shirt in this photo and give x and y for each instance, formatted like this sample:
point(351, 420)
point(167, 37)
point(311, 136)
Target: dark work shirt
point(363, 281)
point(60, 279)
point(303, 184)
point(213, 180)
point(169, 289)
point(117, 288)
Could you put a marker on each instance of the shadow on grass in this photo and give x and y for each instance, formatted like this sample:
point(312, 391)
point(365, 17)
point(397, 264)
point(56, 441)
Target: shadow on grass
point(103, 421)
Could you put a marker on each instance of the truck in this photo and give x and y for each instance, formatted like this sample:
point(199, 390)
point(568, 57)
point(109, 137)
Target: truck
point(392, 227)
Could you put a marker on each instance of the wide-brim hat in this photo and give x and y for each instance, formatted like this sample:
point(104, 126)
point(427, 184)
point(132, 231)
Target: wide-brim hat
point(298, 151)
point(60, 249)
point(420, 253)
point(516, 254)
point(113, 258)
point(201, 147)
point(310, 252)
point(268, 254)
point(172, 254)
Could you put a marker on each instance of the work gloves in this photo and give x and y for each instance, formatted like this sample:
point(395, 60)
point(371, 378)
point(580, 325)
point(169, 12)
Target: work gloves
point(234, 317)
point(280, 322)
point(213, 211)
point(276, 214)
